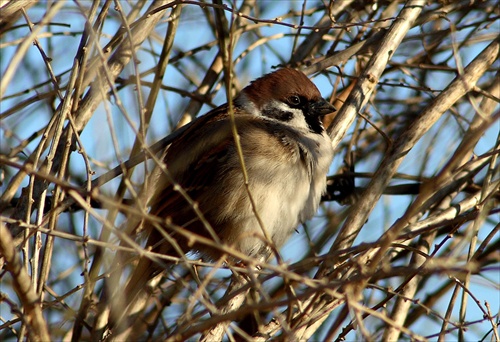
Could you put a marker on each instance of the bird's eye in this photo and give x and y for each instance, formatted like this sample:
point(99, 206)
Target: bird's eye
point(294, 100)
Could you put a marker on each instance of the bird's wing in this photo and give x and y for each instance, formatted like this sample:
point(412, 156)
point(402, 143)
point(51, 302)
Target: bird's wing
point(198, 149)
point(203, 164)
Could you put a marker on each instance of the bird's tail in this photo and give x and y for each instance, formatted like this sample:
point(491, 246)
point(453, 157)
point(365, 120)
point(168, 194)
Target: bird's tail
point(129, 303)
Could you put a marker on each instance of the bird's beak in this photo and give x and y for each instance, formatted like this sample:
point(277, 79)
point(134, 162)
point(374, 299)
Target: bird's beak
point(322, 107)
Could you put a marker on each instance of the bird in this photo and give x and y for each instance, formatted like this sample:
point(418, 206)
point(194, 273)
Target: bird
point(247, 194)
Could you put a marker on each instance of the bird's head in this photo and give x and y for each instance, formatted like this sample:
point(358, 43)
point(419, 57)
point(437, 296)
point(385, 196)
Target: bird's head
point(286, 95)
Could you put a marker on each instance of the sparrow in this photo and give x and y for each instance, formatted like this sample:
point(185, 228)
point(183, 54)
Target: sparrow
point(250, 202)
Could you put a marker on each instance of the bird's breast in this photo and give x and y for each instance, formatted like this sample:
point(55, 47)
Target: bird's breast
point(286, 178)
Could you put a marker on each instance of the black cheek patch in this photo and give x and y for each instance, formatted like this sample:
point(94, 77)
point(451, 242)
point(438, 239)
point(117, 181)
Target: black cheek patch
point(278, 114)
